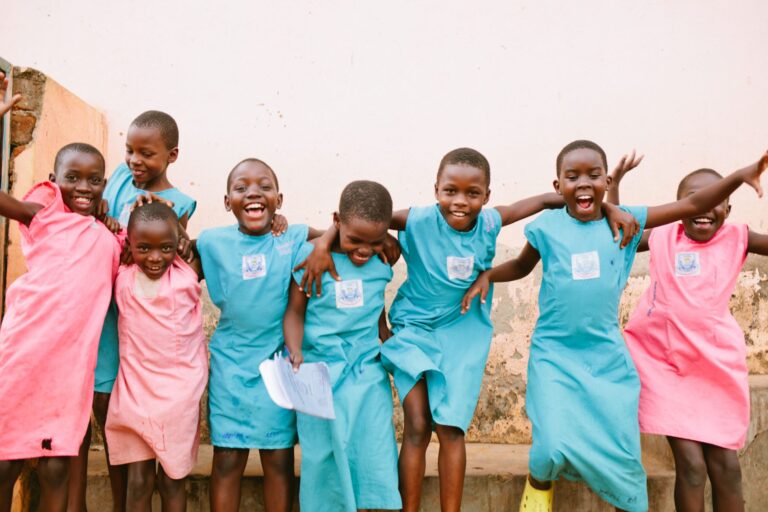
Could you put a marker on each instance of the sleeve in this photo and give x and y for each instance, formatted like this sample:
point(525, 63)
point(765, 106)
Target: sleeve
point(48, 195)
point(304, 250)
point(743, 231)
point(491, 221)
point(298, 233)
point(533, 233)
point(641, 214)
point(115, 182)
point(186, 206)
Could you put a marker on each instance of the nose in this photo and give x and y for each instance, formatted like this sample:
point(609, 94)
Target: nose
point(154, 256)
point(460, 199)
point(365, 251)
point(83, 186)
point(253, 192)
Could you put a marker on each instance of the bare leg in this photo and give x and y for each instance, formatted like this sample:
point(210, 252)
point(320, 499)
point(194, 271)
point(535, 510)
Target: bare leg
point(78, 475)
point(173, 493)
point(690, 474)
point(141, 485)
point(416, 435)
point(451, 465)
point(118, 475)
point(9, 473)
point(226, 474)
point(278, 479)
point(53, 475)
point(725, 474)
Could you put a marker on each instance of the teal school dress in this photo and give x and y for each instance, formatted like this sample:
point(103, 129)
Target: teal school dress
point(120, 195)
point(583, 390)
point(247, 279)
point(432, 339)
point(349, 463)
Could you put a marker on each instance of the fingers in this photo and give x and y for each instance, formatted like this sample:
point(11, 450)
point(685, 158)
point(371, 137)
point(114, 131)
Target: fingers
point(484, 293)
point(629, 234)
point(332, 271)
point(383, 257)
point(615, 229)
point(303, 282)
point(466, 302)
point(318, 285)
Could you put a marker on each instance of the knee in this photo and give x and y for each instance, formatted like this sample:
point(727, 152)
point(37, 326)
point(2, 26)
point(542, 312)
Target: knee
point(53, 471)
point(448, 435)
point(228, 461)
point(417, 430)
point(692, 471)
point(167, 486)
point(277, 462)
point(726, 472)
point(140, 485)
point(10, 470)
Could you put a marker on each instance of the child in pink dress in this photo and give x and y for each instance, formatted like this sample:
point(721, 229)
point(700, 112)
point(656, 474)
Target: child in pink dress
point(50, 333)
point(154, 411)
point(690, 352)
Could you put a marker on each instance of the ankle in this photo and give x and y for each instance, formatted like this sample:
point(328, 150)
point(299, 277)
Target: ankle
point(539, 485)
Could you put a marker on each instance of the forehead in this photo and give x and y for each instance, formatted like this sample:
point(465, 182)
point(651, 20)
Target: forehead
point(251, 171)
point(88, 163)
point(154, 229)
point(462, 174)
point(582, 158)
point(147, 135)
point(365, 230)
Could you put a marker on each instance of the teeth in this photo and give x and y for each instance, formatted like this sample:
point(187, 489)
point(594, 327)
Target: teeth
point(459, 214)
point(255, 206)
point(583, 198)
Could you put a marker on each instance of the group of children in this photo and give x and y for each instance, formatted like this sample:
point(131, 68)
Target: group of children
point(126, 340)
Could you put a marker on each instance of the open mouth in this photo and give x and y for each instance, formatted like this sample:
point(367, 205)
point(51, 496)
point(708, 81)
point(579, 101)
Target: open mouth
point(702, 222)
point(82, 202)
point(358, 259)
point(254, 210)
point(459, 214)
point(584, 202)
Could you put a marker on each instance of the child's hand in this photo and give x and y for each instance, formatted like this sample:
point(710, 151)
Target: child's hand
point(279, 225)
point(753, 172)
point(112, 224)
point(317, 263)
point(296, 358)
point(481, 286)
point(126, 258)
point(185, 249)
point(149, 197)
point(626, 164)
point(621, 220)
point(390, 253)
point(103, 210)
point(5, 106)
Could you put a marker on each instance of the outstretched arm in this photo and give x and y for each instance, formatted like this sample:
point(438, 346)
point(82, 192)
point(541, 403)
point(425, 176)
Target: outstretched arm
point(399, 219)
point(511, 270)
point(21, 211)
point(293, 325)
point(529, 206)
point(757, 243)
point(708, 197)
point(626, 164)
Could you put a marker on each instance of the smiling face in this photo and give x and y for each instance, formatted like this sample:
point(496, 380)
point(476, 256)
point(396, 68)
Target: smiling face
point(360, 239)
point(153, 245)
point(147, 156)
point(461, 191)
point(582, 181)
point(80, 177)
point(702, 228)
point(253, 197)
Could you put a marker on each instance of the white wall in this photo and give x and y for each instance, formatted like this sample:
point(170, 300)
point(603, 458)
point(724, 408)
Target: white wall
point(330, 91)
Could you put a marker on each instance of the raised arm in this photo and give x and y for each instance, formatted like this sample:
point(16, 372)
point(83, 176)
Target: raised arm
point(626, 164)
point(21, 211)
point(757, 243)
point(6, 105)
point(529, 206)
point(512, 270)
point(293, 325)
point(708, 197)
point(399, 219)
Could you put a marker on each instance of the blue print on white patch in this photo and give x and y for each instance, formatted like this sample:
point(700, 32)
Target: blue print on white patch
point(585, 265)
point(254, 266)
point(349, 294)
point(460, 268)
point(687, 264)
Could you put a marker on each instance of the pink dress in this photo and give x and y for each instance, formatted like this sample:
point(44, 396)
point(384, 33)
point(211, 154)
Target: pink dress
point(688, 349)
point(50, 333)
point(154, 411)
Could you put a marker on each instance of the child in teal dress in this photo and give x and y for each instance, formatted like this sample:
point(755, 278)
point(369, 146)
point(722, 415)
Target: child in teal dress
point(583, 390)
point(349, 463)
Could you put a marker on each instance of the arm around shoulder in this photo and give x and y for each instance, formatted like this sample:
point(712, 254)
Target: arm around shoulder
point(21, 211)
point(529, 206)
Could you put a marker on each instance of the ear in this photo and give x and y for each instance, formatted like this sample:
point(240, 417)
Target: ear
point(279, 201)
point(487, 196)
point(556, 185)
point(727, 211)
point(336, 220)
point(227, 206)
point(52, 178)
point(608, 182)
point(173, 155)
point(435, 190)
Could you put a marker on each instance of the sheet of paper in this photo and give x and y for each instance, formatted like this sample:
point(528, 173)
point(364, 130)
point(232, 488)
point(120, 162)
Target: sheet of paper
point(307, 391)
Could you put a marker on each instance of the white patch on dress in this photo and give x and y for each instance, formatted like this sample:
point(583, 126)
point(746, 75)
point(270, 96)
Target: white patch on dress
point(349, 294)
point(254, 266)
point(460, 268)
point(687, 264)
point(585, 265)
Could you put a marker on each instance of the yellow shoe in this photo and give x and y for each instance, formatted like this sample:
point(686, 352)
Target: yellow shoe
point(536, 500)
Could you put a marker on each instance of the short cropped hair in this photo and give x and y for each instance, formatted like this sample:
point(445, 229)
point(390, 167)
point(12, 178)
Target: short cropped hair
point(580, 144)
point(365, 200)
point(466, 156)
point(169, 130)
point(156, 210)
point(697, 172)
point(252, 161)
point(77, 147)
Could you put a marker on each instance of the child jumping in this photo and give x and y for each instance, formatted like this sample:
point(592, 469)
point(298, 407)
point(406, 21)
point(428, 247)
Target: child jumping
point(154, 410)
point(151, 146)
point(349, 463)
point(582, 393)
point(50, 331)
point(690, 352)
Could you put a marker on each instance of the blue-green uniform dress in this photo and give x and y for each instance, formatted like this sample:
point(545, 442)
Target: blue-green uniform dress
point(248, 279)
point(432, 339)
point(120, 195)
point(349, 463)
point(583, 390)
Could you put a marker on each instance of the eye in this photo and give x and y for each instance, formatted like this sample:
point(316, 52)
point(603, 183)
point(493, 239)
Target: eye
point(239, 188)
point(96, 180)
point(167, 248)
point(146, 154)
point(142, 248)
point(70, 178)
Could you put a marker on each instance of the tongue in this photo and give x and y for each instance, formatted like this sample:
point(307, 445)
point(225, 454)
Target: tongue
point(584, 203)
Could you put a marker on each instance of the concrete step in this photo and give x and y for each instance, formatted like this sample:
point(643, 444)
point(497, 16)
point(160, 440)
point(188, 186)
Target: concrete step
point(494, 482)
